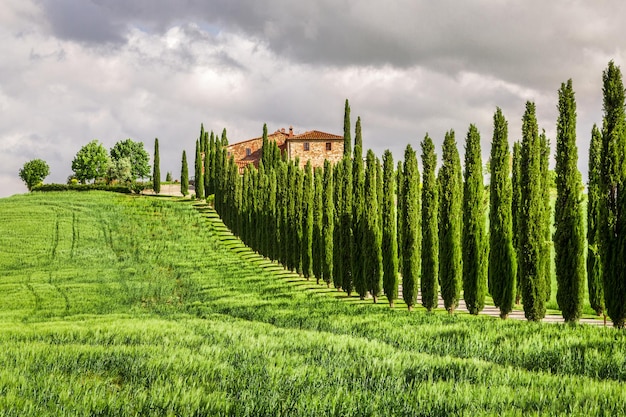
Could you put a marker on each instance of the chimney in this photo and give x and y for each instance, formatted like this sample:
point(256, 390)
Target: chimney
point(282, 130)
point(290, 131)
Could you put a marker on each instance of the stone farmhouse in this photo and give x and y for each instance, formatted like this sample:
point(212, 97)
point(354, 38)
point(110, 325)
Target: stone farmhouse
point(313, 145)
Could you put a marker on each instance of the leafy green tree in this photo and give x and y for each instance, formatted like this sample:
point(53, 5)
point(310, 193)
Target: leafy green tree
point(371, 232)
point(156, 169)
point(594, 264)
point(224, 138)
point(389, 238)
point(450, 223)
point(328, 217)
point(184, 176)
point(516, 206)
point(474, 242)
point(34, 172)
point(430, 237)
point(91, 162)
point(307, 223)
point(613, 201)
point(569, 237)
point(137, 155)
point(530, 222)
point(411, 237)
point(358, 206)
point(347, 140)
point(168, 177)
point(502, 272)
point(199, 177)
point(120, 170)
point(266, 152)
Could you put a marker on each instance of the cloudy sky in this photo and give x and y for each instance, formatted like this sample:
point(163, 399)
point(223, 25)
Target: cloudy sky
point(76, 70)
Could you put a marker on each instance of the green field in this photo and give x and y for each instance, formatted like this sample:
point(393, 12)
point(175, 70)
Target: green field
point(124, 305)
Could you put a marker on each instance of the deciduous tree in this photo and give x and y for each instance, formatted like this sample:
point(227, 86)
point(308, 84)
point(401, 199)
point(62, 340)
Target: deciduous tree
point(34, 172)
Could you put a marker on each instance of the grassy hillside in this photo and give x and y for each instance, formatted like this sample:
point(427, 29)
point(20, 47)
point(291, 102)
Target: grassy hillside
point(121, 305)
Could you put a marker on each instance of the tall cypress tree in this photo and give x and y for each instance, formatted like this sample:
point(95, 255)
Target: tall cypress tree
point(265, 148)
point(430, 237)
point(531, 231)
point(271, 216)
point(337, 181)
point(594, 264)
point(207, 166)
point(502, 275)
point(399, 215)
point(546, 214)
point(156, 169)
point(213, 149)
point(199, 178)
point(224, 138)
point(184, 176)
point(371, 232)
point(307, 221)
point(318, 212)
point(346, 228)
point(569, 238)
point(411, 225)
point(613, 201)
point(450, 223)
point(347, 140)
point(389, 238)
point(281, 209)
point(358, 206)
point(328, 217)
point(474, 242)
point(516, 205)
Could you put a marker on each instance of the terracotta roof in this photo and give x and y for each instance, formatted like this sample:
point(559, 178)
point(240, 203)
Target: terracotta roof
point(315, 134)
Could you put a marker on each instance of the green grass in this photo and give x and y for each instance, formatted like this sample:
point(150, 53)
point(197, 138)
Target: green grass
point(126, 305)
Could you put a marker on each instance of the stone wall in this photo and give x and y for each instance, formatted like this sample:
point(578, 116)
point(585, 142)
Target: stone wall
point(317, 151)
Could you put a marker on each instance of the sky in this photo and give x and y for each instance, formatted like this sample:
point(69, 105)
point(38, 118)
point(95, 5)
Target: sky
point(76, 70)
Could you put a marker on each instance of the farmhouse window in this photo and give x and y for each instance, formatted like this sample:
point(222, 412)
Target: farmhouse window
point(306, 146)
point(248, 152)
point(329, 146)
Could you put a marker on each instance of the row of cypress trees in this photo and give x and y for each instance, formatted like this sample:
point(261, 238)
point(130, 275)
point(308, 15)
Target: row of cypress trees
point(357, 224)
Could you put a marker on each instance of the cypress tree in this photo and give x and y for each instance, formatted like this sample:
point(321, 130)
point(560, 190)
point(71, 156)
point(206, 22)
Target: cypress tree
point(379, 192)
point(292, 236)
point(346, 228)
point(318, 212)
point(233, 182)
point(281, 208)
point(224, 138)
point(399, 215)
point(156, 169)
point(184, 176)
point(389, 225)
point(328, 223)
point(265, 148)
point(261, 191)
point(271, 237)
point(530, 222)
point(338, 179)
point(358, 226)
point(430, 238)
point(347, 140)
point(207, 166)
point(213, 149)
point(199, 178)
point(502, 275)
point(516, 205)
point(546, 214)
point(569, 238)
point(613, 200)
point(450, 223)
point(411, 236)
point(299, 218)
point(474, 242)
point(307, 223)
point(371, 232)
point(594, 264)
